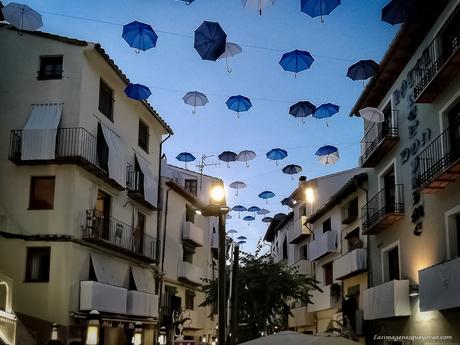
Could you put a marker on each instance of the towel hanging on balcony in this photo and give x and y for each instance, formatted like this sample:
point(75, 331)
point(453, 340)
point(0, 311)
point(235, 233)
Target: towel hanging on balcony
point(150, 185)
point(39, 135)
point(117, 155)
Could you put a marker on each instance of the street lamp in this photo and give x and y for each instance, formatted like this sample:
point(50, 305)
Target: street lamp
point(310, 195)
point(137, 339)
point(92, 335)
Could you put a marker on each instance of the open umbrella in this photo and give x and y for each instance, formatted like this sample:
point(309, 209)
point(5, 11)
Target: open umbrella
point(279, 216)
point(259, 4)
point(266, 195)
point(195, 99)
point(228, 216)
point(137, 91)
point(187, 2)
point(263, 212)
point(267, 219)
point(237, 185)
point(326, 110)
point(241, 238)
point(185, 157)
point(372, 114)
point(227, 156)
point(231, 49)
point(254, 209)
point(276, 154)
point(302, 109)
point(239, 209)
point(318, 8)
point(285, 202)
point(245, 156)
point(362, 70)
point(238, 103)
point(296, 61)
point(210, 40)
point(139, 36)
point(399, 11)
point(249, 219)
point(22, 17)
point(292, 169)
point(231, 232)
point(328, 154)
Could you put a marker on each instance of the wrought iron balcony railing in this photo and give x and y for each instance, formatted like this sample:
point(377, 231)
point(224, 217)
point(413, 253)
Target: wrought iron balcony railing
point(377, 141)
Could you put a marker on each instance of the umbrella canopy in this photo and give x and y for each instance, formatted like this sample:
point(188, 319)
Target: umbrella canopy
point(292, 169)
point(137, 91)
point(210, 40)
point(285, 202)
point(231, 231)
point(276, 154)
point(266, 195)
point(139, 35)
point(296, 61)
point(241, 238)
point(328, 154)
point(254, 209)
point(22, 16)
point(241, 242)
point(259, 4)
point(302, 109)
point(295, 338)
point(267, 219)
point(245, 156)
point(227, 156)
point(263, 212)
point(185, 157)
point(238, 103)
point(237, 185)
point(326, 110)
point(187, 2)
point(239, 209)
point(399, 11)
point(228, 216)
point(231, 49)
point(318, 8)
point(195, 99)
point(279, 216)
point(372, 114)
point(362, 70)
point(249, 219)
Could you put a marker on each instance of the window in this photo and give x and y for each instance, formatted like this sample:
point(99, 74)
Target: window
point(143, 139)
point(187, 255)
point(285, 251)
point(138, 233)
point(189, 214)
point(390, 258)
point(50, 68)
point(353, 240)
point(105, 100)
point(350, 211)
point(327, 225)
point(304, 252)
point(328, 277)
point(3, 295)
point(191, 186)
point(41, 193)
point(38, 264)
point(189, 299)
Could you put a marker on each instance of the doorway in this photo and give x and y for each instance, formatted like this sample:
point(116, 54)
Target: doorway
point(103, 214)
point(454, 132)
point(389, 183)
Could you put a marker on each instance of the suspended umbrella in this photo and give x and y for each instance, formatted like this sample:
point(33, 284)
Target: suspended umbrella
point(238, 103)
point(228, 216)
point(285, 202)
point(22, 17)
point(187, 2)
point(241, 238)
point(210, 40)
point(296, 61)
point(276, 155)
point(139, 36)
point(318, 8)
point(362, 70)
point(254, 209)
point(185, 157)
point(231, 49)
point(239, 209)
point(279, 216)
point(237, 185)
point(241, 242)
point(302, 109)
point(195, 99)
point(399, 11)
point(259, 4)
point(231, 232)
point(372, 114)
point(245, 156)
point(263, 212)
point(266, 195)
point(249, 219)
point(328, 154)
point(227, 156)
point(326, 110)
point(292, 170)
point(137, 91)
point(267, 219)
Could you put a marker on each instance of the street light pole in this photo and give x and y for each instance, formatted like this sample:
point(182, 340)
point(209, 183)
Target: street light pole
point(221, 279)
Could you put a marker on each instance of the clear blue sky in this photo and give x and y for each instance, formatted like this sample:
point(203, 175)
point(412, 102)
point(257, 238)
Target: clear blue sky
point(352, 32)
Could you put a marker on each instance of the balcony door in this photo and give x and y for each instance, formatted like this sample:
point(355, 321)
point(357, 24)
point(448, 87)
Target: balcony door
point(454, 132)
point(393, 263)
point(103, 214)
point(139, 233)
point(389, 183)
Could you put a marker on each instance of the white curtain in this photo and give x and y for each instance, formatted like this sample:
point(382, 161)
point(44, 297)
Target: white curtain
point(117, 161)
point(39, 134)
point(110, 271)
point(143, 279)
point(150, 185)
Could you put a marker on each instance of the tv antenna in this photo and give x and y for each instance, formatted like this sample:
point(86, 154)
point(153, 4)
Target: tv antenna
point(204, 164)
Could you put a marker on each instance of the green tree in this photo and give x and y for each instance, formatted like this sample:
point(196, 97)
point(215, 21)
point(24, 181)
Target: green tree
point(265, 290)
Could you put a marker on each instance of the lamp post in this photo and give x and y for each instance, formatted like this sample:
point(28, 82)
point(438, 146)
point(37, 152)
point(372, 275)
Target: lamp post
point(92, 335)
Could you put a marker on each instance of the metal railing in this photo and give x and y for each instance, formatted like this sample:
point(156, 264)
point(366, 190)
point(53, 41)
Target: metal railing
point(386, 201)
point(444, 45)
point(134, 179)
point(376, 134)
point(106, 229)
point(436, 158)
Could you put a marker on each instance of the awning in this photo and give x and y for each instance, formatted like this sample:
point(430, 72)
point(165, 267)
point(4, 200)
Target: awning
point(143, 278)
point(117, 161)
point(150, 185)
point(110, 271)
point(39, 134)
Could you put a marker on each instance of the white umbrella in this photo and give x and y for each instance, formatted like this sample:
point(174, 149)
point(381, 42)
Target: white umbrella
point(245, 156)
point(22, 16)
point(372, 114)
point(295, 338)
point(259, 4)
point(237, 185)
point(231, 49)
point(195, 99)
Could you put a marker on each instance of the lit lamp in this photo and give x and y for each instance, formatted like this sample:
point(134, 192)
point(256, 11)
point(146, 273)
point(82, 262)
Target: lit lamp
point(92, 335)
point(204, 340)
point(137, 339)
point(310, 195)
point(413, 291)
point(54, 340)
point(162, 336)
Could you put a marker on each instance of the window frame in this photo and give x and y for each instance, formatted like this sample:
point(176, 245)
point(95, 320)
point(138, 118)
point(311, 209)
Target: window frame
point(33, 205)
point(325, 275)
point(103, 86)
point(140, 143)
point(385, 262)
point(41, 252)
point(189, 300)
point(42, 73)
point(190, 190)
point(190, 214)
point(327, 221)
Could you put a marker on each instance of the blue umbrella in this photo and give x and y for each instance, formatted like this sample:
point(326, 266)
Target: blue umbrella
point(285, 202)
point(326, 110)
point(238, 103)
point(195, 99)
point(302, 109)
point(239, 209)
point(328, 154)
point(254, 209)
point(241, 242)
point(296, 61)
point(362, 70)
point(227, 156)
point(279, 216)
point(231, 231)
point(263, 211)
point(398, 11)
point(137, 91)
point(139, 35)
point(241, 238)
point(292, 169)
point(249, 219)
point(267, 219)
point(228, 216)
point(185, 157)
point(318, 8)
point(187, 2)
point(276, 154)
point(266, 195)
point(210, 40)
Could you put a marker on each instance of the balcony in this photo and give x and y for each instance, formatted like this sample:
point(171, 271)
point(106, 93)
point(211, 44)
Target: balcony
point(350, 264)
point(142, 304)
point(135, 186)
point(440, 61)
point(113, 233)
point(301, 318)
point(323, 244)
point(303, 267)
point(190, 273)
point(192, 234)
point(390, 299)
point(73, 146)
point(439, 286)
point(385, 208)
point(298, 231)
point(438, 164)
point(102, 297)
point(378, 141)
point(324, 300)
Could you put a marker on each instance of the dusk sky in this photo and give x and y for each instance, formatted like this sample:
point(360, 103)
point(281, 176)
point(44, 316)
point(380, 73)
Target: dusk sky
point(352, 32)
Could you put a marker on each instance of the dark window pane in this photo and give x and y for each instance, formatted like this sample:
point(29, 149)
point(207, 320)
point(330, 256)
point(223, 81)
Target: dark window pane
point(50, 67)
point(191, 186)
point(190, 214)
point(41, 193)
point(38, 264)
point(189, 300)
point(143, 139)
point(393, 264)
point(105, 100)
point(328, 276)
point(327, 225)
